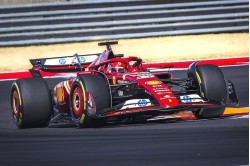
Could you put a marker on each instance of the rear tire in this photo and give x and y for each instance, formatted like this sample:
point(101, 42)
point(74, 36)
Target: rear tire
point(31, 103)
point(90, 94)
point(212, 88)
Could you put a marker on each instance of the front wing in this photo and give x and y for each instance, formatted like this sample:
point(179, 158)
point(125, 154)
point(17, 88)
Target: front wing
point(156, 110)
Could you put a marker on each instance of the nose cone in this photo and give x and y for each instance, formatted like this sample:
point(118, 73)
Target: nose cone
point(161, 92)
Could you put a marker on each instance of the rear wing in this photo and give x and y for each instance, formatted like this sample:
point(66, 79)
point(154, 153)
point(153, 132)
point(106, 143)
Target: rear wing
point(64, 64)
point(64, 61)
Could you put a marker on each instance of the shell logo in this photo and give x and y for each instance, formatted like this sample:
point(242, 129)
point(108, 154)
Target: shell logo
point(153, 82)
point(60, 94)
point(114, 79)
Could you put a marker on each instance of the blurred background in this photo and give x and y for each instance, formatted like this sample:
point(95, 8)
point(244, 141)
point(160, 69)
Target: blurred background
point(156, 30)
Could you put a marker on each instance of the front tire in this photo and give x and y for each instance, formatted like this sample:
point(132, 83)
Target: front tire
point(213, 88)
point(30, 103)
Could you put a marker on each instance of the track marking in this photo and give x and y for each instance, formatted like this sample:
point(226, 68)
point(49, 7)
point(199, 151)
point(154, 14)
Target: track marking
point(233, 111)
point(240, 117)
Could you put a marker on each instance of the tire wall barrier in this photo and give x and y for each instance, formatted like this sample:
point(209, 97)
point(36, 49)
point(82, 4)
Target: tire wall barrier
point(76, 21)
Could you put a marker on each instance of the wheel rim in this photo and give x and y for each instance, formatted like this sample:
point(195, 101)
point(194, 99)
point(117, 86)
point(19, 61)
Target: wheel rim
point(16, 106)
point(77, 102)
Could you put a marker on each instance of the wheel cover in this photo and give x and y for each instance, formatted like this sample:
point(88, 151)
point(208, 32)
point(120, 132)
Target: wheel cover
point(77, 102)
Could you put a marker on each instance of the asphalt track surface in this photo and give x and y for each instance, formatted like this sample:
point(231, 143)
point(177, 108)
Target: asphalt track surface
point(201, 142)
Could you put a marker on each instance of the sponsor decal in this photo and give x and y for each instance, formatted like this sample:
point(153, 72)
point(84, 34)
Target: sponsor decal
point(160, 93)
point(144, 75)
point(60, 94)
point(142, 103)
point(122, 82)
point(187, 99)
point(161, 90)
point(120, 93)
point(69, 60)
point(62, 61)
point(114, 79)
point(167, 96)
point(153, 82)
point(157, 86)
point(82, 59)
point(135, 103)
point(192, 98)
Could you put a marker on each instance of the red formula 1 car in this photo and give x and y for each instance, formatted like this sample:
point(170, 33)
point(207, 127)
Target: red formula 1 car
point(109, 88)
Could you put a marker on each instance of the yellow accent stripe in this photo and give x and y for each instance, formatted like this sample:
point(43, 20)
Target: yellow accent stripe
point(68, 86)
point(20, 100)
point(20, 119)
point(198, 77)
point(202, 94)
point(82, 118)
point(200, 82)
point(229, 111)
point(84, 95)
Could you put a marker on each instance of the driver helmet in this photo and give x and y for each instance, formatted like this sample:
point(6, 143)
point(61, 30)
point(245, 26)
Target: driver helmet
point(118, 67)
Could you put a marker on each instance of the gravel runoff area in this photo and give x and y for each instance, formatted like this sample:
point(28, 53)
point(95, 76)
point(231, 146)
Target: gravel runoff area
point(156, 49)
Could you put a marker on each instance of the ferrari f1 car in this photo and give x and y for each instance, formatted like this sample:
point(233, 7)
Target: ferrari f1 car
point(110, 87)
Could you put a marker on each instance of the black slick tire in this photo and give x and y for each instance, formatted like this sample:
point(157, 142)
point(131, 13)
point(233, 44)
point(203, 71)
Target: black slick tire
point(31, 103)
point(212, 88)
